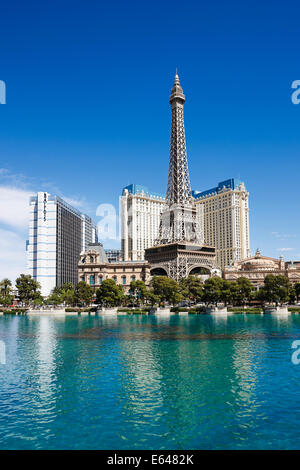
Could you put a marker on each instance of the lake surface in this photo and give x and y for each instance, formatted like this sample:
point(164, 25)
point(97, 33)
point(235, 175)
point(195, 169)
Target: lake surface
point(143, 382)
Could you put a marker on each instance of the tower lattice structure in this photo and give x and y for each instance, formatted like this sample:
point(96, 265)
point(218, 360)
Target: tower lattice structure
point(182, 221)
point(179, 250)
point(179, 187)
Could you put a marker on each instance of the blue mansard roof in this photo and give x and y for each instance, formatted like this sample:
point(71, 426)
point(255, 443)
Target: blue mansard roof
point(232, 183)
point(137, 188)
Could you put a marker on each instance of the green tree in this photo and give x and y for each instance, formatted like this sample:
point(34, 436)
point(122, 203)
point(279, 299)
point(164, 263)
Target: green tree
point(292, 294)
point(28, 289)
point(84, 293)
point(166, 289)
point(297, 290)
point(5, 287)
point(275, 289)
point(54, 299)
point(138, 291)
point(69, 297)
point(67, 286)
point(109, 294)
point(228, 291)
point(152, 298)
point(6, 300)
point(213, 288)
point(38, 301)
point(191, 288)
point(64, 294)
point(68, 294)
point(244, 290)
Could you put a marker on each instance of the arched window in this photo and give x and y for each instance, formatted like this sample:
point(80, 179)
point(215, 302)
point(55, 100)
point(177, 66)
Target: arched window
point(82, 278)
point(115, 278)
point(100, 279)
point(124, 280)
point(92, 280)
point(133, 278)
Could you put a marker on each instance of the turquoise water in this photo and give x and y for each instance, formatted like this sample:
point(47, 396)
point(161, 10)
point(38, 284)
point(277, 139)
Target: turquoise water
point(137, 382)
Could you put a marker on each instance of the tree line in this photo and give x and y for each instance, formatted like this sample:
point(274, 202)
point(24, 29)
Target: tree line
point(162, 290)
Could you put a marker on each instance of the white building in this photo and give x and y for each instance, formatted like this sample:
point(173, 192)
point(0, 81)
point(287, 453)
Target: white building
point(57, 235)
point(226, 220)
point(225, 215)
point(140, 219)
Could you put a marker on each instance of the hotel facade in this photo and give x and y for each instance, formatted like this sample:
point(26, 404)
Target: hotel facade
point(140, 219)
point(58, 233)
point(94, 268)
point(225, 218)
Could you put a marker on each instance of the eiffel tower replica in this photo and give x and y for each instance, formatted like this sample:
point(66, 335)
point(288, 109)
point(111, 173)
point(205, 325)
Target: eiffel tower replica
point(179, 248)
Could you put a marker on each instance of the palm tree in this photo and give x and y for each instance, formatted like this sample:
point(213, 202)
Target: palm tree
point(5, 287)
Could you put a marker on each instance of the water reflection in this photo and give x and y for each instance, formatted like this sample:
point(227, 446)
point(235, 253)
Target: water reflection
point(149, 382)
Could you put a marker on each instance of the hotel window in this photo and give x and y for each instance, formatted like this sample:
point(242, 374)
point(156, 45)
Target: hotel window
point(100, 279)
point(82, 278)
point(115, 278)
point(133, 278)
point(92, 280)
point(123, 280)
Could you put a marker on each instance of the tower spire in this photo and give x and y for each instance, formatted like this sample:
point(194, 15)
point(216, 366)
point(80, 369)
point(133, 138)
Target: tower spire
point(178, 188)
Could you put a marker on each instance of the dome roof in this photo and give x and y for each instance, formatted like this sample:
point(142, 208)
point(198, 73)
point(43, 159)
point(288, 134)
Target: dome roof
point(260, 262)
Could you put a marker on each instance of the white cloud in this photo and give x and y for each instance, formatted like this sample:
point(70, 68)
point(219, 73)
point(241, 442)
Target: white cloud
point(14, 207)
point(77, 203)
point(284, 249)
point(14, 220)
point(13, 259)
point(283, 236)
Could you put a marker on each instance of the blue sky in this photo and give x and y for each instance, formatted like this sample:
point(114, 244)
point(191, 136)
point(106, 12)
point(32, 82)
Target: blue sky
point(87, 109)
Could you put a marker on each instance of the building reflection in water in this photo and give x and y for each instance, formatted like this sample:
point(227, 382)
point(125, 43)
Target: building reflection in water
point(44, 371)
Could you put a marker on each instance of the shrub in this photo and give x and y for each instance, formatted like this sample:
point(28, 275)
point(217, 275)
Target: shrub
point(179, 309)
point(197, 310)
point(134, 310)
point(15, 311)
point(244, 310)
point(80, 310)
